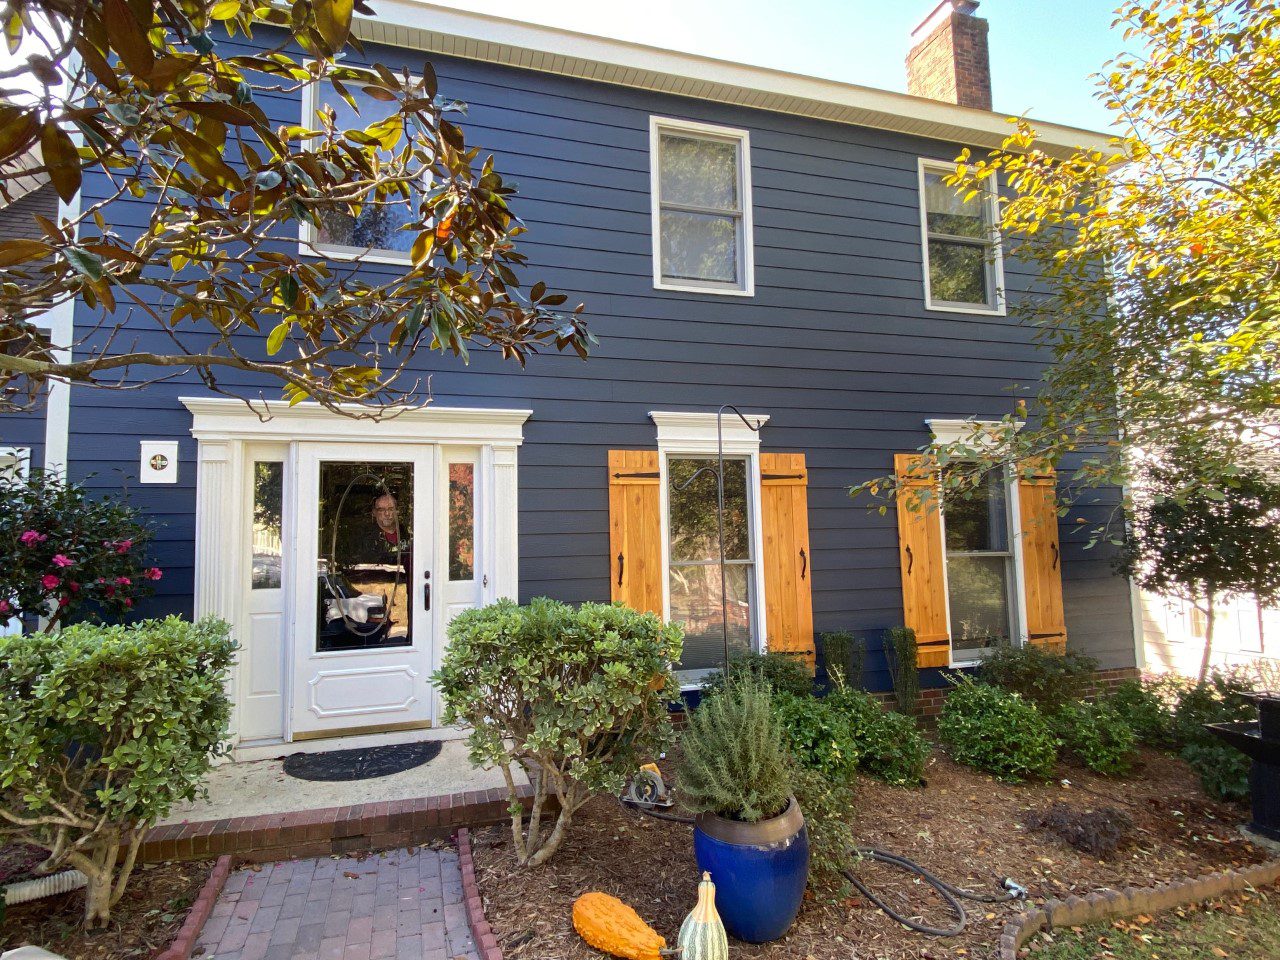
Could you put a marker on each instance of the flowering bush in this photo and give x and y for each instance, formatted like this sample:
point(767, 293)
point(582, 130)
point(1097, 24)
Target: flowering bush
point(66, 556)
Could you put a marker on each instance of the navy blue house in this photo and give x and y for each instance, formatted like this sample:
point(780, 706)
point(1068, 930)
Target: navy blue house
point(739, 236)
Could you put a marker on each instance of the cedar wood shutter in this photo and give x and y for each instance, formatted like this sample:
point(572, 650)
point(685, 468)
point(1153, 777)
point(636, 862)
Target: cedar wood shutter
point(635, 530)
point(635, 533)
point(788, 576)
point(923, 559)
point(1041, 556)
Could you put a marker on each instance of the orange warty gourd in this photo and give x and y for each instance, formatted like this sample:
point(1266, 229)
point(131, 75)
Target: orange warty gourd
point(610, 925)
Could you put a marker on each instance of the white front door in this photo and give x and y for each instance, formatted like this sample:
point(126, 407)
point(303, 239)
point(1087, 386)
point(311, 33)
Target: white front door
point(365, 548)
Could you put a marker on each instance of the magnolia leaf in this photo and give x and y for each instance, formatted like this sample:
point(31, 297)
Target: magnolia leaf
point(224, 10)
point(275, 340)
point(333, 21)
point(129, 38)
point(62, 159)
point(84, 262)
point(14, 252)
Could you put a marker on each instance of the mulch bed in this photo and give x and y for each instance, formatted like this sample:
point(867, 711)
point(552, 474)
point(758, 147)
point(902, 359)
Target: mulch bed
point(145, 920)
point(963, 826)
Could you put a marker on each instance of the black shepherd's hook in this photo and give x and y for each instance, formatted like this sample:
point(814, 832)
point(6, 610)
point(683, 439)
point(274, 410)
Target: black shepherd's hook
point(719, 474)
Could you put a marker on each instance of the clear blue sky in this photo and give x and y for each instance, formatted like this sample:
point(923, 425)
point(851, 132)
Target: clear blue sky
point(1042, 51)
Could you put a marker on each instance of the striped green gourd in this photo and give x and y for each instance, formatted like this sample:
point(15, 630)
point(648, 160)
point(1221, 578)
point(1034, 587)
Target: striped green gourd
point(702, 935)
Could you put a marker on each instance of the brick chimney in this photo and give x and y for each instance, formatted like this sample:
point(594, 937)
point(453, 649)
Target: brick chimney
point(948, 58)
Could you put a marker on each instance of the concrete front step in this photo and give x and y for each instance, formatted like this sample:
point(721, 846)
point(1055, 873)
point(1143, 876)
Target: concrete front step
point(344, 829)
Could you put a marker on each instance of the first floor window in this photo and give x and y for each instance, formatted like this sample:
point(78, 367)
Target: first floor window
point(980, 578)
point(694, 572)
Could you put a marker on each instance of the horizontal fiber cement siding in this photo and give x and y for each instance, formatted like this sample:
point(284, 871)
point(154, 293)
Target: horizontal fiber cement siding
point(835, 346)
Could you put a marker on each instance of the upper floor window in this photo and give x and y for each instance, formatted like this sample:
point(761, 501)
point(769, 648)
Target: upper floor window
point(701, 188)
point(375, 232)
point(963, 270)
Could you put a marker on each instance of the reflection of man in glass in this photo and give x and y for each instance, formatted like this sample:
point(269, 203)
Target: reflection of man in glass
point(381, 543)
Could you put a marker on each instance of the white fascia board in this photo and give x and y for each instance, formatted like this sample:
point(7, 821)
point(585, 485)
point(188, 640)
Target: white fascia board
point(229, 418)
point(424, 26)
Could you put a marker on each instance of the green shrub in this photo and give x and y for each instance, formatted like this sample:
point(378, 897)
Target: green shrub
point(1039, 675)
point(784, 672)
point(105, 729)
point(902, 653)
point(995, 730)
point(844, 656)
point(735, 761)
point(1096, 736)
point(889, 745)
point(1146, 712)
point(828, 810)
point(1220, 698)
point(576, 697)
point(819, 734)
point(1223, 770)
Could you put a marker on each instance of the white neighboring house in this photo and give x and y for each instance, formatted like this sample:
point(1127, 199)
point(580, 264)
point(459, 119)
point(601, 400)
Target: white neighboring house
point(1173, 633)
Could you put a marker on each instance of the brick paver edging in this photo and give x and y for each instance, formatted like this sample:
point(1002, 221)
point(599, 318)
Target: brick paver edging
point(1131, 901)
point(318, 833)
point(486, 940)
point(198, 915)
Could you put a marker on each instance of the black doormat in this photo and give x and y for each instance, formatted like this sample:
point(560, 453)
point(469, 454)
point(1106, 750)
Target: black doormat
point(361, 764)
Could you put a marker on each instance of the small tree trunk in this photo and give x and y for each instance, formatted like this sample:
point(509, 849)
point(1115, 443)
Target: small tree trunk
point(568, 805)
point(1208, 638)
point(98, 891)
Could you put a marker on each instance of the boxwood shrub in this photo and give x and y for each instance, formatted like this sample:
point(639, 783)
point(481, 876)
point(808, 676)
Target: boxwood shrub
point(997, 731)
point(1096, 735)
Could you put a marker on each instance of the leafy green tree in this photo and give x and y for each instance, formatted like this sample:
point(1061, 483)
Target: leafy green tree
point(1159, 306)
point(1203, 545)
point(151, 95)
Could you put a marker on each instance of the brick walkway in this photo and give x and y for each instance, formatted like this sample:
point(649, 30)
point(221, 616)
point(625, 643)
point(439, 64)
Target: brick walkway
point(405, 904)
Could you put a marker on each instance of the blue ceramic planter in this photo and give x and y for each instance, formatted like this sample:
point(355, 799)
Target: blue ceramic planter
point(759, 870)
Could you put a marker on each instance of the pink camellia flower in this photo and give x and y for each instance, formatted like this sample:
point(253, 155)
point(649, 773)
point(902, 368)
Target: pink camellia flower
point(127, 603)
point(32, 537)
point(111, 591)
point(4, 606)
point(62, 560)
point(123, 581)
point(49, 581)
point(153, 573)
point(124, 546)
point(73, 586)
point(64, 601)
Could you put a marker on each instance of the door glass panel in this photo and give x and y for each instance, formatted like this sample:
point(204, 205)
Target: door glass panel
point(268, 497)
point(364, 571)
point(462, 521)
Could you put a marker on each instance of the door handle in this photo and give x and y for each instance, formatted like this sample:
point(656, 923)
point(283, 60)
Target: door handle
point(426, 591)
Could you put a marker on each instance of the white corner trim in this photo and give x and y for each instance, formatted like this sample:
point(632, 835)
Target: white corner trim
point(424, 26)
point(695, 431)
point(964, 431)
point(998, 307)
point(746, 239)
point(227, 418)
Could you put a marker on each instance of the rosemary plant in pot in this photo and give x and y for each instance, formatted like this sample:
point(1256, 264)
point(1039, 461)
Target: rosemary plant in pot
point(736, 775)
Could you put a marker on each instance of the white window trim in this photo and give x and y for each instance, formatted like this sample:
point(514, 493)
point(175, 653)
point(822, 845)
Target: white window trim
point(659, 125)
point(308, 242)
point(998, 309)
point(949, 431)
point(17, 459)
point(684, 434)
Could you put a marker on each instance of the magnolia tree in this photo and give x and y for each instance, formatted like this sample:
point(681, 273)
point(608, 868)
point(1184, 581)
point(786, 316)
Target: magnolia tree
point(65, 556)
point(160, 101)
point(1159, 308)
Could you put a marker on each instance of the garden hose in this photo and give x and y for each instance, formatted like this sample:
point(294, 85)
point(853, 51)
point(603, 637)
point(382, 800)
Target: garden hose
point(949, 893)
point(952, 895)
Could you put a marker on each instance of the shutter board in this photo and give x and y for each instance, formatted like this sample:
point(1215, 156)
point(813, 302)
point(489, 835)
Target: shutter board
point(787, 560)
point(923, 561)
point(635, 530)
point(1041, 555)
